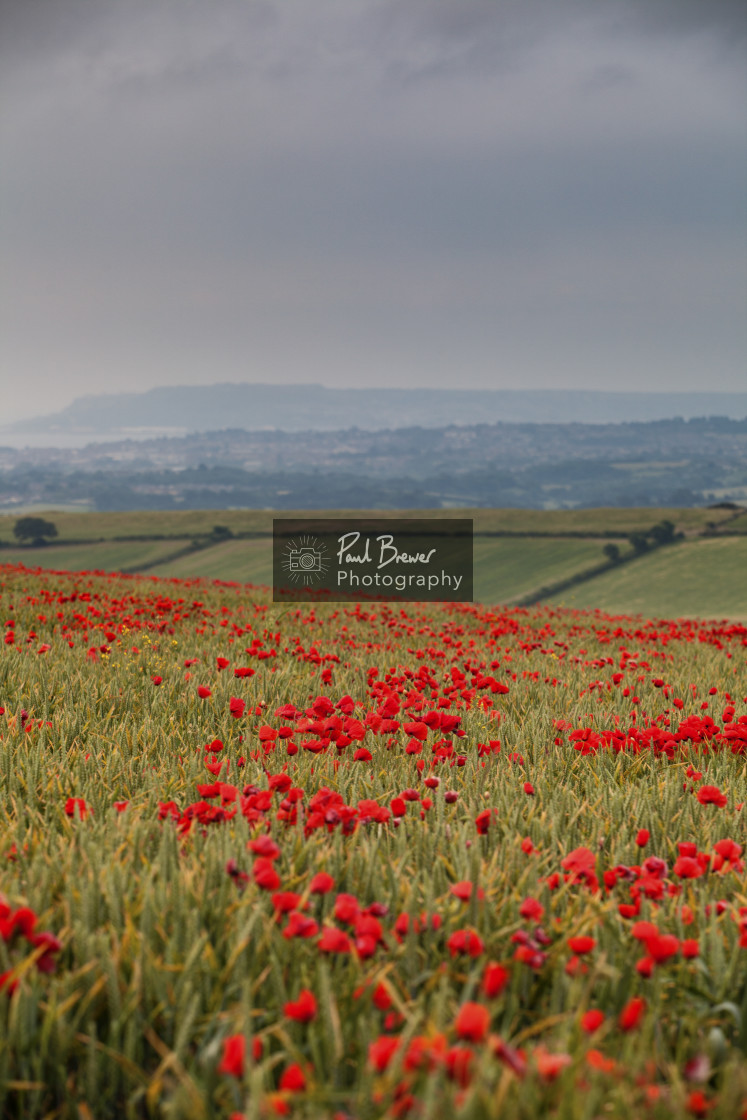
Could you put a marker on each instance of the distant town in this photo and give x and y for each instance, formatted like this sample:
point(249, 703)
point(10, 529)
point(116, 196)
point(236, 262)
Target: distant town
point(511, 465)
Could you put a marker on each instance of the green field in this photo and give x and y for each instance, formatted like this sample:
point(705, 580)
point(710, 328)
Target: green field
point(245, 561)
point(413, 862)
point(104, 556)
point(192, 523)
point(706, 578)
point(540, 550)
point(510, 568)
point(506, 569)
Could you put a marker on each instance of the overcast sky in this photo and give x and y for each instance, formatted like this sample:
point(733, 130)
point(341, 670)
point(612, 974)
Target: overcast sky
point(485, 193)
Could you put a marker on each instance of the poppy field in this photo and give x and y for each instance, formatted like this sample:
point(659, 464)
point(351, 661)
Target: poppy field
point(366, 860)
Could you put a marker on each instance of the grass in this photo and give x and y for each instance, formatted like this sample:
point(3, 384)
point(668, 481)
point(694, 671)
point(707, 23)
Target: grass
point(706, 578)
point(247, 561)
point(504, 568)
point(677, 579)
point(190, 523)
point(511, 568)
point(105, 556)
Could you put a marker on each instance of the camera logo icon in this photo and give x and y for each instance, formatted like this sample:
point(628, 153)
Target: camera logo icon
point(305, 561)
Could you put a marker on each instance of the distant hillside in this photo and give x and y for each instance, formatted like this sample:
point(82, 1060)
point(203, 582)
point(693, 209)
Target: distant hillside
point(304, 407)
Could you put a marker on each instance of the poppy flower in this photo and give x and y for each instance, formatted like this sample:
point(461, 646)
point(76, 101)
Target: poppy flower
point(292, 1079)
point(494, 979)
point(322, 883)
point(381, 1052)
point(482, 821)
point(299, 925)
point(234, 1049)
point(78, 803)
point(711, 795)
point(662, 947)
point(549, 1066)
point(381, 998)
point(463, 890)
point(203, 692)
point(264, 846)
point(581, 945)
point(346, 908)
point(687, 868)
point(302, 1010)
point(334, 941)
point(467, 942)
point(631, 1014)
point(237, 707)
point(532, 909)
point(592, 1020)
point(285, 901)
point(459, 1061)
point(698, 1104)
point(265, 875)
point(597, 1060)
point(472, 1022)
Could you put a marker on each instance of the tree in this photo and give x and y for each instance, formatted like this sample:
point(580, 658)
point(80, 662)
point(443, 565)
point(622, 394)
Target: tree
point(663, 533)
point(34, 529)
point(612, 552)
point(638, 541)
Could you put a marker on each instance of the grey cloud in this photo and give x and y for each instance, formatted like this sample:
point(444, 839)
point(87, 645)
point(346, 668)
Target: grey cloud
point(347, 190)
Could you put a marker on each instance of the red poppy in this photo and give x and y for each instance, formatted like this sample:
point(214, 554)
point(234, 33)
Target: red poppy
point(265, 875)
point(532, 909)
point(78, 803)
point(299, 925)
point(467, 942)
point(292, 1079)
point(304, 1009)
point(631, 1014)
point(550, 1066)
point(463, 890)
point(711, 795)
point(237, 707)
point(581, 945)
point(381, 1052)
point(494, 979)
point(234, 1049)
point(334, 941)
point(592, 1020)
point(322, 883)
point(472, 1022)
